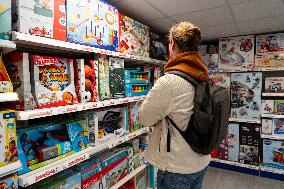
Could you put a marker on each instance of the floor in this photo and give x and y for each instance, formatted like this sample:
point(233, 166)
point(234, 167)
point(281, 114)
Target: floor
point(223, 179)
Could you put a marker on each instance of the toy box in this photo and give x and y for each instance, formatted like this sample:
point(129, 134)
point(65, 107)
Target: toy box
point(249, 143)
point(158, 47)
point(153, 177)
point(207, 49)
point(104, 89)
point(134, 116)
point(5, 82)
point(273, 153)
point(9, 182)
point(157, 74)
point(236, 53)
point(93, 23)
point(8, 137)
point(211, 61)
point(5, 19)
point(266, 126)
point(53, 81)
point(274, 84)
point(278, 126)
point(140, 180)
point(223, 149)
point(134, 37)
point(116, 77)
point(86, 80)
point(233, 142)
point(246, 95)
point(46, 18)
point(279, 106)
point(112, 123)
point(128, 185)
point(17, 65)
point(270, 59)
point(134, 143)
point(270, 43)
point(92, 121)
point(136, 89)
point(267, 106)
point(136, 76)
point(222, 79)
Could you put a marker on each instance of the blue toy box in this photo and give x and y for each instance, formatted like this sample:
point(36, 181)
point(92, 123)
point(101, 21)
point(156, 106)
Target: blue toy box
point(136, 89)
point(136, 76)
point(233, 142)
point(278, 126)
point(5, 19)
point(273, 153)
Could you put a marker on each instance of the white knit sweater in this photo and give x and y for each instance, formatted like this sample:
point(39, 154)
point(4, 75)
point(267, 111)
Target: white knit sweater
point(172, 96)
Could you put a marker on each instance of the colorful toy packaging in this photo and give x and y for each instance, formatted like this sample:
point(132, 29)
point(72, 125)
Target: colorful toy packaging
point(267, 106)
point(273, 153)
point(266, 126)
point(274, 84)
point(5, 82)
point(134, 116)
point(246, 95)
point(5, 19)
point(157, 74)
point(93, 23)
point(8, 137)
point(17, 65)
point(9, 182)
point(86, 80)
point(116, 77)
point(278, 126)
point(233, 142)
point(209, 55)
point(222, 79)
point(158, 47)
point(134, 37)
point(140, 180)
point(269, 50)
point(249, 144)
point(223, 149)
point(236, 53)
point(279, 106)
point(46, 18)
point(53, 81)
point(104, 89)
point(92, 122)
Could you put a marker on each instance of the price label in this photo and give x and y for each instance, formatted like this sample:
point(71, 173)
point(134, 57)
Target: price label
point(75, 160)
point(44, 174)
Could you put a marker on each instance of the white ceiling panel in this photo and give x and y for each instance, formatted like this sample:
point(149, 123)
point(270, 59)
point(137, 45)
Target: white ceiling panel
point(161, 25)
point(258, 9)
point(237, 1)
point(221, 31)
point(176, 7)
point(211, 17)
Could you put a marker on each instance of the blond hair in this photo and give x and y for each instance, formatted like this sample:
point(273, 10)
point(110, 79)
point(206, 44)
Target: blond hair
point(186, 35)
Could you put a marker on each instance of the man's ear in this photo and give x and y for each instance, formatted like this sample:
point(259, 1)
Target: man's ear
point(172, 45)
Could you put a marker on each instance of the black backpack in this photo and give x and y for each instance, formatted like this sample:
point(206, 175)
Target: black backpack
point(209, 122)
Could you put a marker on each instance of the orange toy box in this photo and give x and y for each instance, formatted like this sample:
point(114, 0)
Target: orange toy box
point(45, 18)
point(5, 82)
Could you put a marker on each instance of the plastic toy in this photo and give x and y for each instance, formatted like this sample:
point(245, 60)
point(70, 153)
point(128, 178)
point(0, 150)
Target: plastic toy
point(236, 53)
point(133, 116)
point(8, 138)
point(266, 126)
point(46, 18)
point(9, 182)
point(273, 153)
point(136, 76)
point(5, 19)
point(53, 81)
point(92, 22)
point(233, 142)
point(267, 106)
point(278, 126)
point(116, 77)
point(5, 82)
point(246, 96)
point(221, 79)
point(279, 106)
point(158, 47)
point(104, 89)
point(274, 84)
point(136, 89)
point(134, 37)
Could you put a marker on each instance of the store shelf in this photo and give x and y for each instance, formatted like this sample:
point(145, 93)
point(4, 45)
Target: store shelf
point(128, 177)
point(6, 97)
point(69, 161)
point(7, 45)
point(10, 168)
point(273, 94)
point(272, 116)
point(52, 45)
point(38, 113)
point(273, 173)
point(276, 137)
point(272, 69)
point(244, 120)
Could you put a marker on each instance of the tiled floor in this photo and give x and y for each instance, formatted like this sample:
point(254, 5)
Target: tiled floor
point(223, 179)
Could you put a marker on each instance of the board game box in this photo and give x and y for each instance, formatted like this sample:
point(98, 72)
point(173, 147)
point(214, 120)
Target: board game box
point(273, 151)
point(267, 106)
point(236, 53)
point(266, 126)
point(279, 106)
point(134, 116)
point(274, 85)
point(5, 19)
point(9, 182)
point(278, 126)
point(104, 90)
point(233, 142)
point(221, 79)
point(246, 95)
point(270, 43)
point(116, 77)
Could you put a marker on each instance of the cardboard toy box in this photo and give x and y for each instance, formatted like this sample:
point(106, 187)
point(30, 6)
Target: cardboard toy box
point(92, 120)
point(5, 81)
point(9, 182)
point(116, 77)
point(136, 89)
point(134, 37)
point(157, 74)
point(104, 90)
point(274, 84)
point(273, 153)
point(267, 106)
point(134, 116)
point(236, 53)
point(207, 49)
point(53, 81)
point(140, 180)
point(17, 65)
point(246, 95)
point(93, 23)
point(249, 143)
point(137, 76)
point(266, 126)
point(233, 142)
point(8, 144)
point(158, 47)
point(223, 149)
point(5, 19)
point(278, 126)
point(270, 60)
point(279, 106)
point(221, 79)
point(45, 18)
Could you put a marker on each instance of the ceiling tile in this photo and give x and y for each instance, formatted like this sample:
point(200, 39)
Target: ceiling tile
point(222, 30)
point(238, 1)
point(139, 10)
point(211, 17)
point(258, 9)
point(176, 7)
point(161, 25)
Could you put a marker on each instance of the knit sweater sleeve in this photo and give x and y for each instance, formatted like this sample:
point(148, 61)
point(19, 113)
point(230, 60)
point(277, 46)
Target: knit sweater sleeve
point(157, 103)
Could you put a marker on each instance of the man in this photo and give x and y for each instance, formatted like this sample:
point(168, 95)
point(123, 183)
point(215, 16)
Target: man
point(181, 167)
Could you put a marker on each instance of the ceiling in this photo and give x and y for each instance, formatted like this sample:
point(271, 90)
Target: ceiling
point(216, 18)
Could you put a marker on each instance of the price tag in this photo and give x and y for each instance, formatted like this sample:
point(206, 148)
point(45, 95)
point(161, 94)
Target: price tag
point(78, 159)
point(44, 174)
point(36, 114)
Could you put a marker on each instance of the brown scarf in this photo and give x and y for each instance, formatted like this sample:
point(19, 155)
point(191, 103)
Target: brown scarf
point(189, 63)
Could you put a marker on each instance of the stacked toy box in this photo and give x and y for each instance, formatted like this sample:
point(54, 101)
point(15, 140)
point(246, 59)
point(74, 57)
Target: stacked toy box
point(209, 55)
point(5, 19)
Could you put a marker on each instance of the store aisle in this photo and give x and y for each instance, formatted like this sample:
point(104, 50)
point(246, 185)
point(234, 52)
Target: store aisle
point(224, 179)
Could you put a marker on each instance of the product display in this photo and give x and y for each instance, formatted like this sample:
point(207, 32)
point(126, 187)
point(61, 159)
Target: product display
point(158, 47)
point(5, 82)
point(279, 106)
point(267, 106)
point(278, 126)
point(273, 153)
point(140, 180)
point(116, 77)
point(9, 182)
point(233, 142)
point(104, 89)
point(274, 84)
point(134, 116)
point(5, 19)
point(266, 126)
point(222, 79)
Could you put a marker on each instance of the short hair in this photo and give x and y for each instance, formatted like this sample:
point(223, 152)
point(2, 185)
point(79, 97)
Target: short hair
point(186, 35)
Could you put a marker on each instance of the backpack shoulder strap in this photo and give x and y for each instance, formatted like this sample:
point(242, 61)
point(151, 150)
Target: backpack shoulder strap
point(184, 76)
